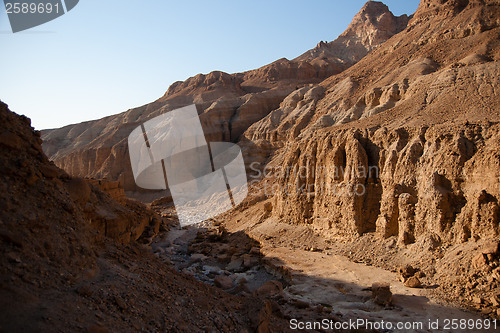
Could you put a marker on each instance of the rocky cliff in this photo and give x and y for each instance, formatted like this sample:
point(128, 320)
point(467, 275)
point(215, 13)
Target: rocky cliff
point(227, 103)
point(402, 143)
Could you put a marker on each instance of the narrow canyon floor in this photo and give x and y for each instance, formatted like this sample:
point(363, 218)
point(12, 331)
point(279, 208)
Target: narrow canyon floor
point(307, 283)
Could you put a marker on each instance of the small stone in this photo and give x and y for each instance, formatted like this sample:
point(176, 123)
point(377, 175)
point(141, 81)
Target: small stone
point(84, 290)
point(268, 206)
point(121, 303)
point(477, 300)
point(12, 257)
point(420, 274)
point(97, 328)
point(211, 269)
point(269, 289)
point(249, 261)
point(32, 179)
point(413, 282)
point(255, 250)
point(495, 301)
point(196, 257)
point(407, 271)
point(486, 311)
point(234, 265)
point(222, 257)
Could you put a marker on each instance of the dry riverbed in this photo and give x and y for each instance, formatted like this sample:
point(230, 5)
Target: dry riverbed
point(303, 284)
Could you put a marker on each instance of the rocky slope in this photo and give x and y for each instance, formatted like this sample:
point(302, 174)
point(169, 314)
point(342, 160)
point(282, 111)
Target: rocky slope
point(58, 271)
point(228, 103)
point(413, 124)
point(401, 149)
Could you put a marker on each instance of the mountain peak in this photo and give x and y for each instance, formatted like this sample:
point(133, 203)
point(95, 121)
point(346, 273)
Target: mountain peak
point(375, 6)
point(370, 27)
point(374, 16)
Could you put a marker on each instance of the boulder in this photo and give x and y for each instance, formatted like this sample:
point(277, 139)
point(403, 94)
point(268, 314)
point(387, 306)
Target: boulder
point(270, 289)
point(491, 247)
point(234, 265)
point(381, 293)
point(223, 282)
point(407, 271)
point(413, 282)
point(480, 262)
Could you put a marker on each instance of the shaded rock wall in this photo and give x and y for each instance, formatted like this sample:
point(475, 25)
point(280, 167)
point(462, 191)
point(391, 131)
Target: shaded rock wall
point(35, 191)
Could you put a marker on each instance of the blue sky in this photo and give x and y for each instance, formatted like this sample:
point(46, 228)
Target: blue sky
point(104, 57)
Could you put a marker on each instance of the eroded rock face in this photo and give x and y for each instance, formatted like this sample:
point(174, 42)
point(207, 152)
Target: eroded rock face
point(402, 144)
point(441, 180)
